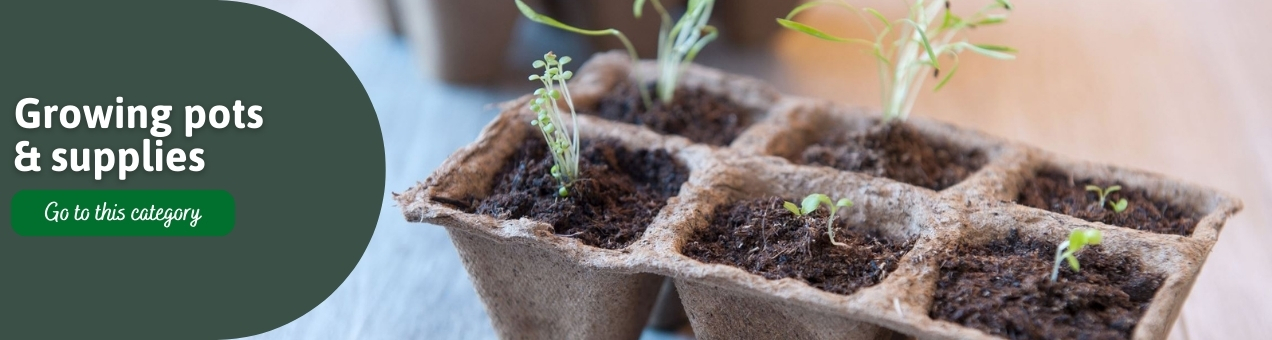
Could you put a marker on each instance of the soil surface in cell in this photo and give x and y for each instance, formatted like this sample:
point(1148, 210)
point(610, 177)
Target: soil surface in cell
point(896, 151)
point(698, 115)
point(1058, 192)
point(617, 196)
point(764, 238)
point(1004, 288)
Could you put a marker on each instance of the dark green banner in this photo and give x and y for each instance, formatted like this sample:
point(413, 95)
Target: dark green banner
point(122, 213)
point(115, 109)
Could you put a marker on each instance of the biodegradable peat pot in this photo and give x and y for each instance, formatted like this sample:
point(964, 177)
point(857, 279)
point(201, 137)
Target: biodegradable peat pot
point(539, 282)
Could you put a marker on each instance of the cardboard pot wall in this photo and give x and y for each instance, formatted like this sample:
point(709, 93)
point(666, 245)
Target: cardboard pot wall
point(537, 293)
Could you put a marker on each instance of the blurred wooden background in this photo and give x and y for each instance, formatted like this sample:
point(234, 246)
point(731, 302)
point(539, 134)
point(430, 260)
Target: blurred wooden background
point(1180, 87)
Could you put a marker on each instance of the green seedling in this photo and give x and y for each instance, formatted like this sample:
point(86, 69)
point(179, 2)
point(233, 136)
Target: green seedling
point(1118, 206)
point(678, 43)
point(1078, 239)
point(529, 13)
point(563, 142)
point(812, 202)
point(924, 36)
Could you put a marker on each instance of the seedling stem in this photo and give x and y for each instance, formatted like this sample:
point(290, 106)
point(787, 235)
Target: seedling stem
point(563, 140)
point(1078, 239)
point(812, 202)
point(904, 63)
point(1118, 206)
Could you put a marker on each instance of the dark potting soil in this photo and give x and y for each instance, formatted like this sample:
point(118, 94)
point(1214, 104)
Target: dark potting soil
point(618, 195)
point(764, 238)
point(896, 151)
point(698, 115)
point(1058, 192)
point(1004, 288)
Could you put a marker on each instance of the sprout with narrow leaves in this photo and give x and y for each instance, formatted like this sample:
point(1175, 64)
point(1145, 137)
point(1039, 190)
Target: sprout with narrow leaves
point(925, 36)
point(1078, 239)
point(812, 202)
point(678, 43)
point(1118, 206)
point(563, 140)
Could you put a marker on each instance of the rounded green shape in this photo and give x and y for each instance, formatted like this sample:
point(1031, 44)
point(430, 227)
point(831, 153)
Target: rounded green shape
point(307, 184)
point(1093, 236)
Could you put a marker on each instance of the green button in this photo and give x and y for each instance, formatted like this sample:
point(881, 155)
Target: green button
point(122, 213)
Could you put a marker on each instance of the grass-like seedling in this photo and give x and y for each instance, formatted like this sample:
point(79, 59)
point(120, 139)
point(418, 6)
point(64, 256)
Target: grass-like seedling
point(1118, 206)
point(923, 38)
point(812, 202)
point(563, 141)
point(1078, 239)
point(529, 13)
point(678, 44)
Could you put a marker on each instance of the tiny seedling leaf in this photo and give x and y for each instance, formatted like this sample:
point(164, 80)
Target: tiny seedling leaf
point(948, 75)
point(710, 36)
point(991, 20)
point(950, 20)
point(993, 51)
point(794, 209)
point(1080, 238)
point(816, 33)
point(1093, 236)
point(638, 8)
point(1120, 205)
point(927, 46)
point(883, 19)
point(1077, 240)
point(811, 203)
point(529, 13)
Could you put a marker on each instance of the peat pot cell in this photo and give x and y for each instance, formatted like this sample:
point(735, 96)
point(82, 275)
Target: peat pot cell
point(1058, 192)
point(764, 238)
point(619, 192)
point(897, 151)
point(696, 114)
point(1004, 288)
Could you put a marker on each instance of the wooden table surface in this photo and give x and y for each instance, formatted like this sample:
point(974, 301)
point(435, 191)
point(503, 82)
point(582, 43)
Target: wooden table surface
point(1179, 87)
